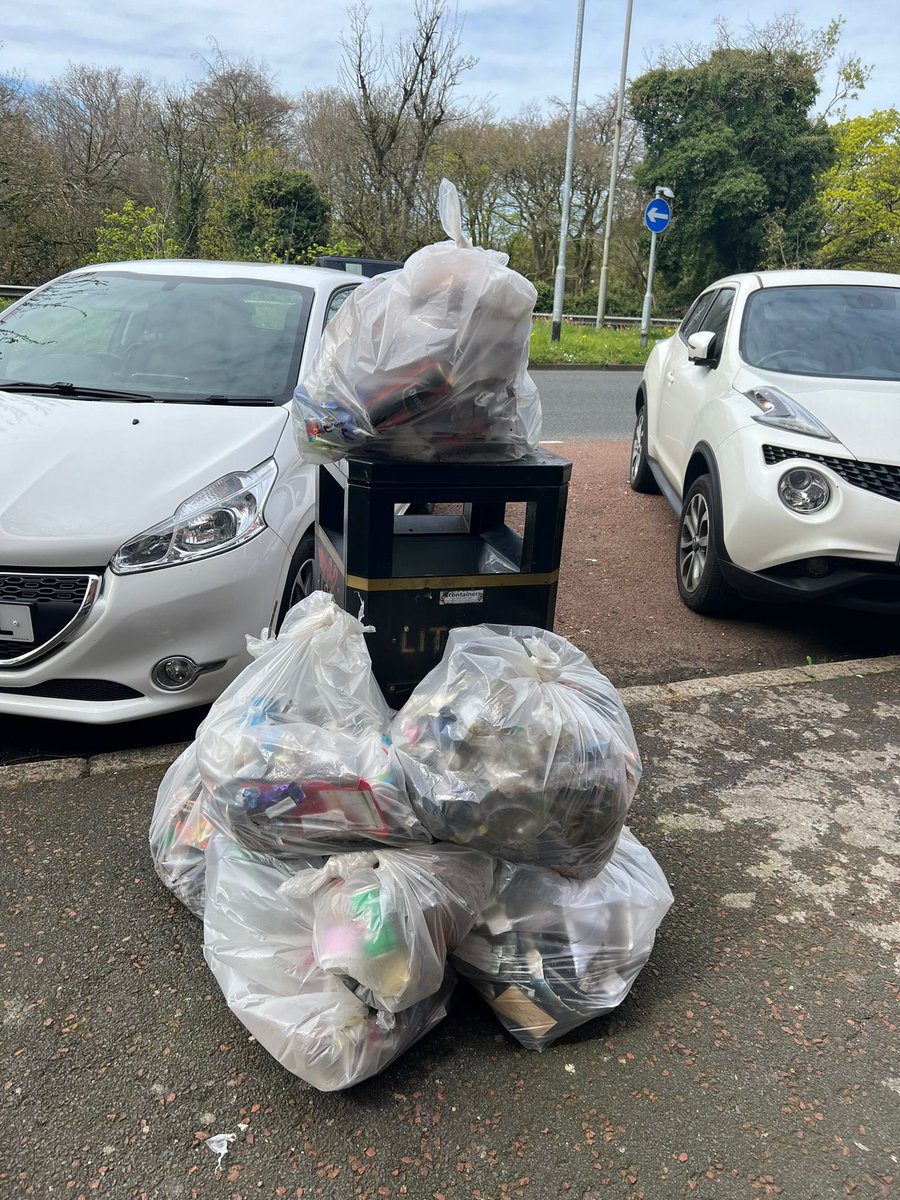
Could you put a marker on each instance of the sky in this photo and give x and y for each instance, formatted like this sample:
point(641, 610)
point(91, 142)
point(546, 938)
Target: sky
point(524, 47)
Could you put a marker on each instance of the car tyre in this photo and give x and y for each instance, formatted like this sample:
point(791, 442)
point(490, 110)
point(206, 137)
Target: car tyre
point(640, 477)
point(701, 584)
point(300, 575)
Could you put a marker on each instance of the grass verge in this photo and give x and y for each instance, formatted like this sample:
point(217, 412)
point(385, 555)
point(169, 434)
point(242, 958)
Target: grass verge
point(592, 347)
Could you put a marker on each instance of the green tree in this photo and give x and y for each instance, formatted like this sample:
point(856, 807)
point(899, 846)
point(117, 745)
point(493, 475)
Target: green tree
point(266, 212)
point(860, 196)
point(733, 134)
point(133, 232)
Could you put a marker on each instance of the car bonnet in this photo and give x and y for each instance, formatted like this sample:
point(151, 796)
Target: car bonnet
point(80, 477)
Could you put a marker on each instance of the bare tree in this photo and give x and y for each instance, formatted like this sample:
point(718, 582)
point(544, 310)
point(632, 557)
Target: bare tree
point(88, 131)
point(389, 107)
point(471, 152)
point(23, 197)
point(94, 120)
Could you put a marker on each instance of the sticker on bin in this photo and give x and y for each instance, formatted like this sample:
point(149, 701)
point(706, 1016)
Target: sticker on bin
point(472, 596)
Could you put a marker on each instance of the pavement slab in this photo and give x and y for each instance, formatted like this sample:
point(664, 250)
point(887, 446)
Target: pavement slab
point(756, 1055)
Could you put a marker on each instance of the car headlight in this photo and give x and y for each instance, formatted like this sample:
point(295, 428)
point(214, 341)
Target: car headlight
point(218, 517)
point(781, 412)
point(804, 490)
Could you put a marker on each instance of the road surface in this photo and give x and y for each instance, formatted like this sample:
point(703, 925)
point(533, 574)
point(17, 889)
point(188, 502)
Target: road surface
point(582, 406)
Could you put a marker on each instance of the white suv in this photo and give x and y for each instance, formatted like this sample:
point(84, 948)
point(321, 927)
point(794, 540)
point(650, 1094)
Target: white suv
point(771, 423)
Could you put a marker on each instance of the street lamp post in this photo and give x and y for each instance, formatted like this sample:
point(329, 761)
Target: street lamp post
point(614, 170)
point(559, 283)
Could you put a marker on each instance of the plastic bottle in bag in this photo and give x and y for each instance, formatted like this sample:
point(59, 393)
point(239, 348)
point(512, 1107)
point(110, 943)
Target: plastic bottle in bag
point(179, 832)
point(516, 745)
point(295, 753)
point(258, 945)
point(386, 919)
point(549, 953)
point(428, 362)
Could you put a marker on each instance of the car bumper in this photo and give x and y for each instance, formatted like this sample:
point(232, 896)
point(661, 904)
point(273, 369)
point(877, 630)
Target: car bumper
point(202, 610)
point(761, 534)
point(847, 585)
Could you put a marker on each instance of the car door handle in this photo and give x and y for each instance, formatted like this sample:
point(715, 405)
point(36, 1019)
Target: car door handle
point(670, 378)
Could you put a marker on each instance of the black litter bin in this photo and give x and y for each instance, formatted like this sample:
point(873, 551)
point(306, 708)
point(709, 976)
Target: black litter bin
point(416, 576)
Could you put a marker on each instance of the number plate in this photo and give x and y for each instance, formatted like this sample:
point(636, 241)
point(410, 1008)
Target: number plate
point(15, 623)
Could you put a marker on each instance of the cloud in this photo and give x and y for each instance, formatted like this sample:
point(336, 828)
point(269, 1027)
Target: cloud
point(524, 47)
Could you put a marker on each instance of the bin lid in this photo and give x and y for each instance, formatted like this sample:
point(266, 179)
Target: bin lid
point(541, 469)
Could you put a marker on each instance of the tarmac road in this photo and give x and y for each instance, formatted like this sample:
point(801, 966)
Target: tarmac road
point(587, 405)
point(756, 1056)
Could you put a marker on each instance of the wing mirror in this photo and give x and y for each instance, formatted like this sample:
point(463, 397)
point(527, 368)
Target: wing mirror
point(699, 346)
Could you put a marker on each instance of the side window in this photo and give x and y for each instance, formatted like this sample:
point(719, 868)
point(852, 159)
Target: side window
point(336, 302)
point(696, 316)
point(716, 319)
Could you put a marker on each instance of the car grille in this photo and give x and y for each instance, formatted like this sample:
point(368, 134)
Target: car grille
point(58, 602)
point(76, 689)
point(880, 478)
point(43, 589)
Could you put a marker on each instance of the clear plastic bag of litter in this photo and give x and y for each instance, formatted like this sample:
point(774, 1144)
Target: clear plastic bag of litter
point(428, 362)
point(516, 745)
point(258, 945)
point(549, 954)
point(295, 753)
point(179, 832)
point(385, 920)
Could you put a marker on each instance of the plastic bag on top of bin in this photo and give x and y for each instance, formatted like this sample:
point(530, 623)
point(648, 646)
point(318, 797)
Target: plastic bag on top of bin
point(258, 945)
point(386, 919)
point(428, 362)
point(295, 752)
point(179, 832)
point(516, 745)
point(549, 953)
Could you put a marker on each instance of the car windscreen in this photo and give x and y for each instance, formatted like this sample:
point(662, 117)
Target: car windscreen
point(172, 337)
point(836, 330)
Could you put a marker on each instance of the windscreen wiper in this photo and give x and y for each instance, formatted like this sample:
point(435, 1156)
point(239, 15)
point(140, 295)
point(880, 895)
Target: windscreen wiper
point(220, 399)
point(61, 388)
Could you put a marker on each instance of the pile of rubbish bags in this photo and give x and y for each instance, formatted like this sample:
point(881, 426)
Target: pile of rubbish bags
point(347, 861)
point(428, 362)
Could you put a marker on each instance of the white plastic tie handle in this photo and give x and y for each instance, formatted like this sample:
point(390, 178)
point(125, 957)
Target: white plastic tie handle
point(546, 662)
point(450, 211)
point(321, 612)
point(339, 866)
point(259, 646)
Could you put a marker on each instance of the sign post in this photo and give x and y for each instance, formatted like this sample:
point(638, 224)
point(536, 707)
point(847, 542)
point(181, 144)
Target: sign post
point(657, 216)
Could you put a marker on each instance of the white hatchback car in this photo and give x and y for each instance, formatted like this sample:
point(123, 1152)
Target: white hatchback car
point(153, 505)
point(771, 423)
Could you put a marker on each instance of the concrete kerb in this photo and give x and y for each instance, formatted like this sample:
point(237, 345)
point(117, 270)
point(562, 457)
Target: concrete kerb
point(692, 689)
point(52, 770)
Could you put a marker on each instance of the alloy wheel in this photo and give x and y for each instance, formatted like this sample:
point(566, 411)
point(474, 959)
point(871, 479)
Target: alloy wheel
point(637, 446)
point(303, 582)
point(693, 542)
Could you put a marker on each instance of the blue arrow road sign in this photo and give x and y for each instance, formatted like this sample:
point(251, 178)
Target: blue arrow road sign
point(657, 215)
